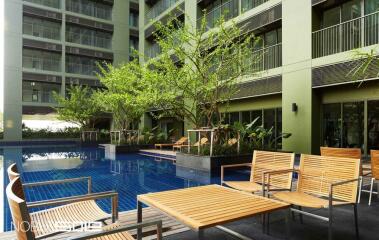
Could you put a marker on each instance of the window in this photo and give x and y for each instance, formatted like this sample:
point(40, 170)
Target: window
point(373, 125)
point(39, 92)
point(371, 6)
point(88, 37)
point(343, 125)
point(41, 28)
point(133, 19)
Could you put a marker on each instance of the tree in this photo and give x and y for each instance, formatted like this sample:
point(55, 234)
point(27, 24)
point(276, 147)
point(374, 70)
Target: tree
point(123, 95)
point(80, 107)
point(198, 70)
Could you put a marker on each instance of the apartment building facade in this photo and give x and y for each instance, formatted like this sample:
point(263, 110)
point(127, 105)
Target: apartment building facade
point(52, 44)
point(302, 84)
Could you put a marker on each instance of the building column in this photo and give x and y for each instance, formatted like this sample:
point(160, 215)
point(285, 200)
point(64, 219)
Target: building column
point(12, 92)
point(297, 77)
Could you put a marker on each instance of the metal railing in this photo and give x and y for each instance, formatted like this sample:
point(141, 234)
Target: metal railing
point(264, 59)
point(41, 96)
point(227, 11)
point(91, 9)
point(83, 69)
point(48, 3)
point(158, 9)
point(250, 4)
point(87, 39)
point(356, 33)
point(41, 63)
point(40, 30)
point(153, 50)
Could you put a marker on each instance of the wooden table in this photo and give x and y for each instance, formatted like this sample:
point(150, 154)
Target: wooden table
point(209, 206)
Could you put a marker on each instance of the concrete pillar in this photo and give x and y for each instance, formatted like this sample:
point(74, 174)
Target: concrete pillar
point(12, 92)
point(297, 75)
point(120, 43)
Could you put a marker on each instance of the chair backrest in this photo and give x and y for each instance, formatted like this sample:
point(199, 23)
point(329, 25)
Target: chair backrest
point(181, 140)
point(20, 214)
point(264, 161)
point(355, 153)
point(12, 172)
point(375, 163)
point(318, 172)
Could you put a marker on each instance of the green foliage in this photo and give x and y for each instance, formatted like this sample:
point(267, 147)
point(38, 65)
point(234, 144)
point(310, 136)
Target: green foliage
point(204, 75)
point(47, 133)
point(80, 107)
point(366, 62)
point(124, 95)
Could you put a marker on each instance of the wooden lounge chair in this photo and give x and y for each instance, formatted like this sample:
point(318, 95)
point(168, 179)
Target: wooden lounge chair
point(76, 209)
point(263, 162)
point(28, 228)
point(203, 141)
point(323, 182)
point(180, 142)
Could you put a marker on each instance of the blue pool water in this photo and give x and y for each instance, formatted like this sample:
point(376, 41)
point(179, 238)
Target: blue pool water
point(128, 174)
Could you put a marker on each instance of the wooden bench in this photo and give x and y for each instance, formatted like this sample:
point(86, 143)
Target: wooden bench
point(323, 182)
point(263, 161)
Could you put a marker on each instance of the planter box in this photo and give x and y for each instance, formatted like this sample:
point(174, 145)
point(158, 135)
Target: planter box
point(208, 163)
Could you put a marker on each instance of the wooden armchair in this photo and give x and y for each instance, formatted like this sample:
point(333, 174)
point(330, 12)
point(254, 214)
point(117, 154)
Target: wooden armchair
point(375, 173)
point(74, 209)
point(29, 228)
point(262, 163)
point(323, 182)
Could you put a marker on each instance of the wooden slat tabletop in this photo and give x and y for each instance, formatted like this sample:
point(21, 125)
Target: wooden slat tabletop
point(208, 206)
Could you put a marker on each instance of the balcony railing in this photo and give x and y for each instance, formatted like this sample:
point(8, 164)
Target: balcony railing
point(39, 63)
point(40, 30)
point(356, 33)
point(87, 39)
point(227, 11)
point(40, 96)
point(89, 9)
point(158, 9)
point(82, 69)
point(48, 3)
point(153, 50)
point(250, 4)
point(264, 59)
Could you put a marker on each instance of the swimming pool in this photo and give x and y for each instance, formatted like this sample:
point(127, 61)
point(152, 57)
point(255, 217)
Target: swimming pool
point(128, 174)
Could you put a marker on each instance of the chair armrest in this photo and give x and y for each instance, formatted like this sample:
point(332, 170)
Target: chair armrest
point(335, 184)
point(122, 229)
point(67, 200)
point(274, 172)
point(232, 166)
point(61, 181)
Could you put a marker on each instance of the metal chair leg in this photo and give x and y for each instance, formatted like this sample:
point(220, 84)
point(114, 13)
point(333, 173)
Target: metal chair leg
point(356, 221)
point(330, 230)
point(371, 189)
point(360, 188)
point(301, 215)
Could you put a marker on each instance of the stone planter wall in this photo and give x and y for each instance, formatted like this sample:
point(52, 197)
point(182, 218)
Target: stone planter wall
point(208, 163)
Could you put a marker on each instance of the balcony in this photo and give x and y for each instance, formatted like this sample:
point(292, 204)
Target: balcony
point(153, 50)
point(158, 9)
point(41, 30)
point(82, 69)
point(227, 11)
point(356, 33)
point(41, 63)
point(89, 39)
point(90, 8)
point(265, 59)
point(246, 5)
point(47, 3)
point(40, 96)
